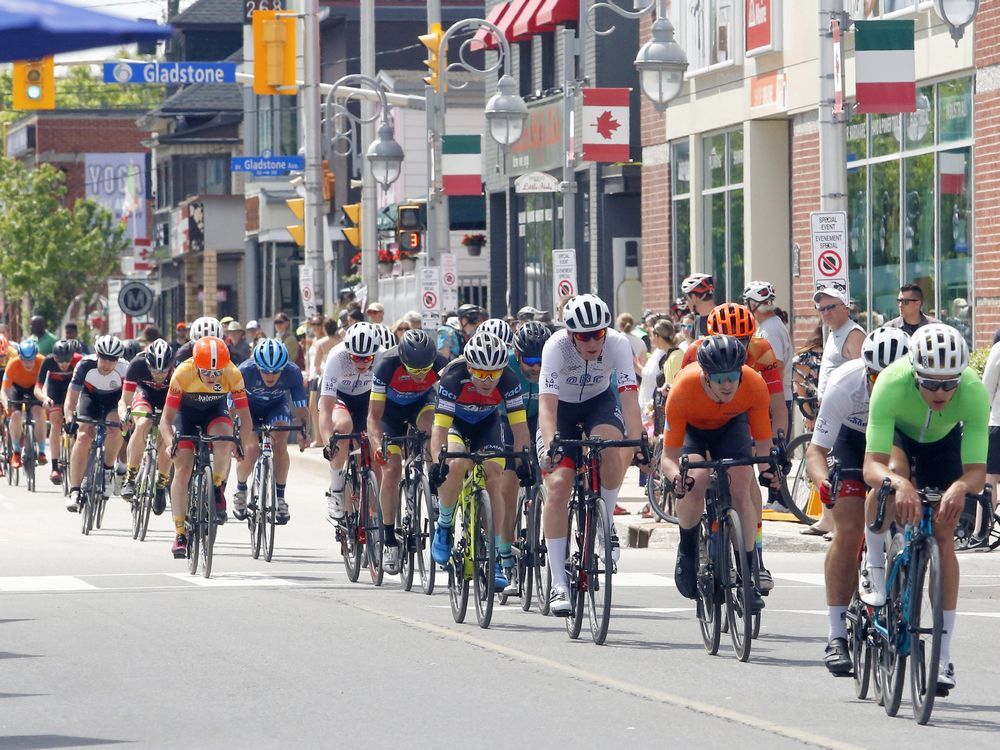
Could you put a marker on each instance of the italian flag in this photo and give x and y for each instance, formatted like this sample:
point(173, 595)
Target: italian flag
point(461, 165)
point(885, 67)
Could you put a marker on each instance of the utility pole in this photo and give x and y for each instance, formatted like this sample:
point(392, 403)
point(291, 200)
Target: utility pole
point(568, 186)
point(832, 127)
point(437, 207)
point(369, 239)
point(312, 137)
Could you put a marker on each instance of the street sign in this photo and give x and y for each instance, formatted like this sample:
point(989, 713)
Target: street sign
point(430, 297)
point(449, 282)
point(249, 6)
point(135, 298)
point(307, 290)
point(563, 275)
point(267, 165)
point(173, 73)
point(829, 250)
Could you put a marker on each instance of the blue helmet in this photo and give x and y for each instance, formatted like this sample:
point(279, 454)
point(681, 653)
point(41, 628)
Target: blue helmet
point(27, 349)
point(270, 355)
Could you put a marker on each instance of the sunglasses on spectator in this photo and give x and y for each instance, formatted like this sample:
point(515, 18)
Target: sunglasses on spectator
point(531, 361)
point(358, 359)
point(934, 386)
point(419, 371)
point(591, 335)
point(210, 373)
point(906, 301)
point(827, 308)
point(721, 378)
point(485, 374)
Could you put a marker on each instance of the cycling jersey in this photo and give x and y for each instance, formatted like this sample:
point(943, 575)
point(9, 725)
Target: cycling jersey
point(341, 377)
point(896, 405)
point(845, 405)
point(688, 404)
point(87, 377)
point(760, 357)
point(776, 333)
point(55, 381)
point(458, 398)
point(530, 389)
point(17, 373)
point(7, 356)
point(289, 385)
point(573, 379)
point(392, 382)
point(187, 389)
point(139, 380)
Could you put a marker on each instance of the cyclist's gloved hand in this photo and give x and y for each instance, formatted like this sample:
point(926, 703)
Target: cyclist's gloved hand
point(329, 450)
point(525, 471)
point(436, 474)
point(768, 478)
point(824, 495)
point(681, 488)
point(71, 427)
point(785, 462)
point(380, 457)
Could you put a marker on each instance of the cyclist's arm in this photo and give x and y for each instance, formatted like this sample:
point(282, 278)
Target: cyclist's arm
point(779, 413)
point(548, 404)
point(631, 413)
point(72, 398)
point(670, 462)
point(376, 408)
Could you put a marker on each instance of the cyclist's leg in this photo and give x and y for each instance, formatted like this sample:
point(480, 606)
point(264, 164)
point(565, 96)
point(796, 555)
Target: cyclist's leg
point(457, 469)
point(393, 423)
point(38, 415)
point(137, 441)
point(505, 512)
point(340, 423)
point(602, 418)
point(55, 416)
point(113, 440)
point(16, 421)
point(558, 488)
point(251, 450)
point(280, 417)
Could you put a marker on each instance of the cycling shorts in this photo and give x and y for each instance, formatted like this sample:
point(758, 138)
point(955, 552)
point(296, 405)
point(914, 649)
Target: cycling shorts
point(479, 436)
point(56, 392)
point(732, 440)
point(270, 414)
point(98, 406)
point(357, 407)
point(146, 402)
point(189, 420)
point(849, 449)
point(603, 408)
point(993, 456)
point(937, 464)
point(19, 395)
point(396, 417)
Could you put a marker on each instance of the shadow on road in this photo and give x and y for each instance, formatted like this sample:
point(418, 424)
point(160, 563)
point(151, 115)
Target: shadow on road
point(35, 741)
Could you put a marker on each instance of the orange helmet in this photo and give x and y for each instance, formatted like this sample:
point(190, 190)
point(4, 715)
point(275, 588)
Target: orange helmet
point(731, 319)
point(210, 353)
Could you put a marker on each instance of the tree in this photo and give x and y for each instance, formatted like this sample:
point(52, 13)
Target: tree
point(48, 250)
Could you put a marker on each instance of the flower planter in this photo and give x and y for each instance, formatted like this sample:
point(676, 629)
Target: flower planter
point(475, 249)
point(409, 265)
point(384, 269)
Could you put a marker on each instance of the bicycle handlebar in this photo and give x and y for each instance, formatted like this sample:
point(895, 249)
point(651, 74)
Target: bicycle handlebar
point(101, 422)
point(201, 437)
point(268, 428)
point(558, 445)
point(481, 456)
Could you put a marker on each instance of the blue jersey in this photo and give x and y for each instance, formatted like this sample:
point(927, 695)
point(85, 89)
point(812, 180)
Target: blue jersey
point(530, 389)
point(289, 385)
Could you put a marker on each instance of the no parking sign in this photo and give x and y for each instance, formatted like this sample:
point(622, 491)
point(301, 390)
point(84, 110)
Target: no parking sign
point(430, 296)
point(563, 275)
point(829, 250)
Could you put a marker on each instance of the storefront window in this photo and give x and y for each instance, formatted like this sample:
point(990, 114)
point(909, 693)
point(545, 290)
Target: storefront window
point(884, 204)
point(680, 212)
point(723, 211)
point(535, 227)
point(955, 238)
point(954, 104)
point(857, 236)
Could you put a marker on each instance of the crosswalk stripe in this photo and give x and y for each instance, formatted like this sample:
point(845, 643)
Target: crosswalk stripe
point(20, 584)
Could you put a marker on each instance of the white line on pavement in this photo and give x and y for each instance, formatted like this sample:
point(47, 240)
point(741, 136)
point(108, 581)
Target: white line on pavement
point(19, 584)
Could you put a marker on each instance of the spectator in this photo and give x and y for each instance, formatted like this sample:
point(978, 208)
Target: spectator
point(73, 333)
point(415, 319)
point(225, 321)
point(149, 335)
point(664, 335)
point(376, 312)
point(284, 333)
point(687, 332)
point(528, 312)
point(451, 339)
point(911, 308)
point(626, 324)
point(254, 332)
point(180, 336)
point(678, 309)
point(239, 347)
point(699, 293)
point(320, 349)
point(46, 339)
point(399, 328)
point(302, 338)
point(760, 297)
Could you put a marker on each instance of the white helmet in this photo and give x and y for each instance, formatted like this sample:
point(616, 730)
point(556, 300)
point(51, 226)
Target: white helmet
point(759, 291)
point(158, 355)
point(484, 351)
point(883, 346)
point(385, 337)
point(938, 349)
point(698, 283)
point(206, 326)
point(362, 340)
point(109, 346)
point(586, 313)
point(498, 328)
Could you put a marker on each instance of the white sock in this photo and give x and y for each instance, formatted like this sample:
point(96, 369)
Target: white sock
point(949, 628)
point(838, 622)
point(610, 501)
point(557, 560)
point(875, 541)
point(337, 480)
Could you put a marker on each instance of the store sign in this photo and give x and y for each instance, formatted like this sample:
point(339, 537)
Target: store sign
point(769, 92)
point(117, 182)
point(829, 250)
point(540, 147)
point(536, 182)
point(763, 26)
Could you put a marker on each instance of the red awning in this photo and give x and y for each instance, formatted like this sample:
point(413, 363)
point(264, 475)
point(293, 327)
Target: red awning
point(506, 23)
point(483, 38)
point(527, 23)
point(554, 12)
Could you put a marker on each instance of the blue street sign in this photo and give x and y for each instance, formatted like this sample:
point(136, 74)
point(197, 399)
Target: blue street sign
point(267, 165)
point(174, 73)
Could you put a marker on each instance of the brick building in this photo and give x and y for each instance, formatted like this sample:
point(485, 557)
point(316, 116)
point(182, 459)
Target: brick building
point(732, 171)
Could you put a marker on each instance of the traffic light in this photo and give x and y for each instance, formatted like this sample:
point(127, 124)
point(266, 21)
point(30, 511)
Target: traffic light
point(352, 214)
point(409, 226)
point(274, 53)
point(297, 207)
point(329, 182)
point(437, 57)
point(34, 84)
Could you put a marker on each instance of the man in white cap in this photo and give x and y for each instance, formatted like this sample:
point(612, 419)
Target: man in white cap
point(846, 336)
point(375, 312)
point(239, 349)
point(254, 333)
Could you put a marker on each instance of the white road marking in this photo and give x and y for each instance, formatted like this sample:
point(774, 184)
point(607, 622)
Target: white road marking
point(813, 579)
point(225, 580)
point(641, 580)
point(20, 584)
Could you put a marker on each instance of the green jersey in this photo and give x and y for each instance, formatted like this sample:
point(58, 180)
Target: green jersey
point(896, 404)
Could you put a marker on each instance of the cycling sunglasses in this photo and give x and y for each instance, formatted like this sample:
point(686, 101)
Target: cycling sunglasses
point(210, 373)
point(591, 335)
point(872, 376)
point(485, 374)
point(358, 359)
point(419, 371)
point(938, 385)
point(531, 361)
point(720, 378)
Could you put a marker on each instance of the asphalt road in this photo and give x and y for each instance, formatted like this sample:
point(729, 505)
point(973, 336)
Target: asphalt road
point(104, 640)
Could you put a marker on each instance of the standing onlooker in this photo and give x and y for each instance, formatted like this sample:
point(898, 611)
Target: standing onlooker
point(759, 297)
point(46, 339)
point(699, 293)
point(911, 309)
point(687, 332)
point(399, 329)
point(663, 335)
point(450, 341)
point(375, 312)
point(320, 349)
point(239, 348)
point(72, 333)
point(180, 336)
point(415, 319)
point(284, 333)
point(254, 333)
point(626, 324)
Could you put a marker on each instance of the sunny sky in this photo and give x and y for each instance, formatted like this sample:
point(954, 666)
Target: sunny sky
point(155, 9)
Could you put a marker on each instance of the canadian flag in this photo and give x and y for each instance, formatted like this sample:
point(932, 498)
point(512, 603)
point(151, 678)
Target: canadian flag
point(606, 125)
point(952, 172)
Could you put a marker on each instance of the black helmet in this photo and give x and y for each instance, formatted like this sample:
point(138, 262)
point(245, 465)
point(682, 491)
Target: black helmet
point(720, 353)
point(472, 312)
point(416, 350)
point(62, 351)
point(131, 350)
point(530, 338)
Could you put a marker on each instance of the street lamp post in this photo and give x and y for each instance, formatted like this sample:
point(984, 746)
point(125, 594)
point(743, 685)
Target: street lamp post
point(957, 14)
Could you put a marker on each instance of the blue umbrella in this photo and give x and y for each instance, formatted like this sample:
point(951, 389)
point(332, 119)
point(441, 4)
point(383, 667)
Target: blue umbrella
point(33, 29)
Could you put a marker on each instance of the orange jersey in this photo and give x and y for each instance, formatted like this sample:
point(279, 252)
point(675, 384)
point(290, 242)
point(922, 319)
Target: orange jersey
point(17, 374)
point(760, 356)
point(689, 404)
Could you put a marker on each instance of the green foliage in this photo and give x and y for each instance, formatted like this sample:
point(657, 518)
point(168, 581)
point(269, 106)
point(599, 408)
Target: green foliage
point(978, 360)
point(51, 251)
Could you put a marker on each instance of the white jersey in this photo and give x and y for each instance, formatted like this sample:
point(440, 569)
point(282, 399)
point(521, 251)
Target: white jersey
point(845, 404)
point(567, 375)
point(340, 376)
point(777, 336)
point(833, 354)
point(86, 377)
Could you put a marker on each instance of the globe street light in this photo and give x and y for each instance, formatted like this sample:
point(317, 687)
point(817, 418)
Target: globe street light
point(506, 113)
point(957, 14)
point(661, 64)
point(385, 156)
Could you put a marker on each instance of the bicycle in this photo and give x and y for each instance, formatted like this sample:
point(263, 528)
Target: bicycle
point(415, 513)
point(145, 481)
point(93, 490)
point(798, 493)
point(359, 531)
point(199, 524)
point(588, 567)
point(262, 508)
point(473, 552)
point(805, 384)
point(29, 451)
point(6, 449)
point(724, 575)
point(528, 547)
point(984, 535)
point(65, 452)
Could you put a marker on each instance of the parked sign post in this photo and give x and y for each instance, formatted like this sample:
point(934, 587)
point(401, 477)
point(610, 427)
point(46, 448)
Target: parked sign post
point(563, 276)
point(829, 250)
point(430, 297)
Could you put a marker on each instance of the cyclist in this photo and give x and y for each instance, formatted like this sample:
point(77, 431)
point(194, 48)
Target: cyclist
point(699, 293)
point(717, 408)
point(51, 387)
point(19, 387)
point(272, 382)
point(929, 412)
point(145, 394)
point(840, 432)
point(94, 392)
point(202, 327)
point(386, 339)
point(402, 394)
point(577, 388)
point(343, 401)
point(198, 398)
point(468, 413)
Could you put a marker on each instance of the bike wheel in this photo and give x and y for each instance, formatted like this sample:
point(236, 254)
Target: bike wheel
point(425, 530)
point(796, 487)
point(926, 627)
point(372, 513)
point(458, 582)
point(86, 514)
point(659, 493)
point(255, 514)
point(527, 538)
point(96, 493)
point(709, 608)
point(484, 559)
point(407, 523)
point(352, 548)
point(28, 457)
point(575, 551)
point(136, 504)
point(738, 585)
point(269, 511)
point(207, 525)
point(857, 638)
point(193, 525)
point(64, 454)
point(540, 561)
point(600, 567)
point(893, 658)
